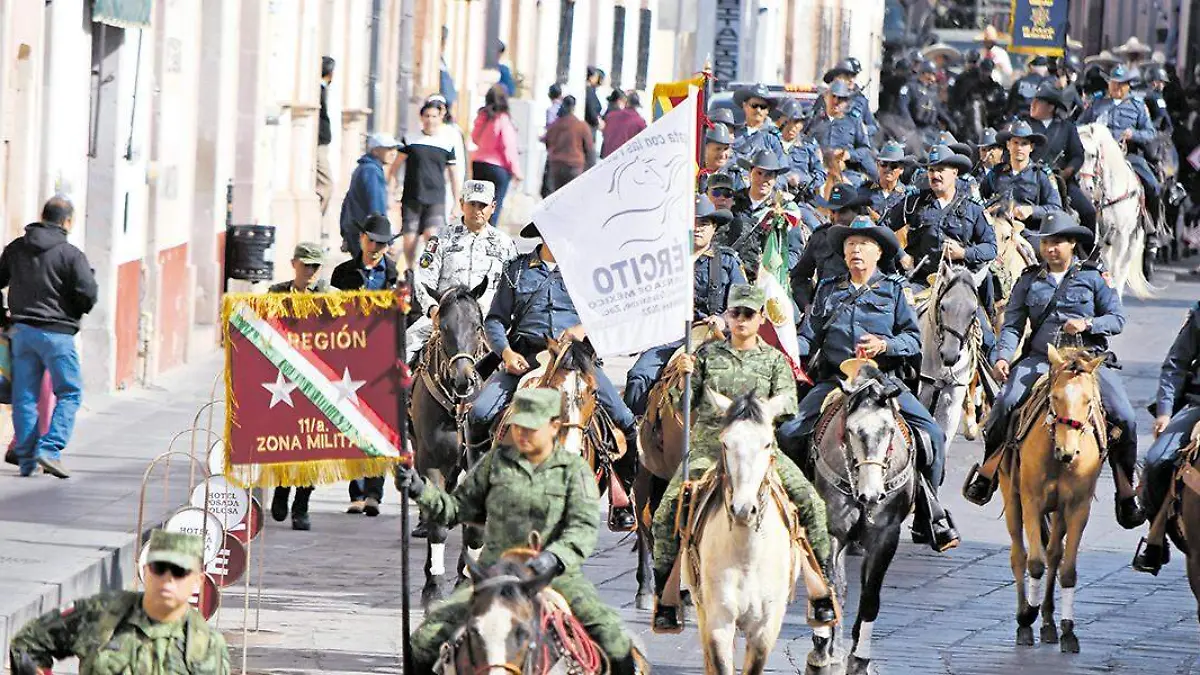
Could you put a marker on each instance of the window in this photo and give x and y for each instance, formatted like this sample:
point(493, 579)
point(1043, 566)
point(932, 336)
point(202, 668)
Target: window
point(643, 62)
point(618, 46)
point(566, 22)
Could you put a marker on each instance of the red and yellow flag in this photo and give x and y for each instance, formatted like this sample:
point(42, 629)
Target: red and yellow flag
point(667, 95)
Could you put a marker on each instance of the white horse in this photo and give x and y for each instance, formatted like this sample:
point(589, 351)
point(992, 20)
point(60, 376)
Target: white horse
point(743, 562)
point(951, 341)
point(1110, 182)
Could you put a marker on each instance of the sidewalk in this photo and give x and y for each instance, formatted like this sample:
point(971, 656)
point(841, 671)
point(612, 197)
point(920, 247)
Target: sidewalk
point(65, 539)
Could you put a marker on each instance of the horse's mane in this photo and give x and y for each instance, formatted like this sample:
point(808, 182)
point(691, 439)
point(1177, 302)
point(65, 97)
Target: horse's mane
point(578, 357)
point(745, 408)
point(455, 295)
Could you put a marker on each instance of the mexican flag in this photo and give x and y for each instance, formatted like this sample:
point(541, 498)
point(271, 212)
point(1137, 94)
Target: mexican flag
point(779, 330)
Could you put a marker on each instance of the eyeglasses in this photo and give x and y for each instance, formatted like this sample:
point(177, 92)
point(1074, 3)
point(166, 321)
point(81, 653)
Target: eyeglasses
point(888, 166)
point(721, 193)
point(762, 105)
point(742, 313)
point(160, 568)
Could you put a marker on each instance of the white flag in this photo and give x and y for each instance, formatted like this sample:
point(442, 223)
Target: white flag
point(622, 234)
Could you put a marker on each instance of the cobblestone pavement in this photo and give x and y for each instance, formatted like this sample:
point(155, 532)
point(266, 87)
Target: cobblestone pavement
point(330, 597)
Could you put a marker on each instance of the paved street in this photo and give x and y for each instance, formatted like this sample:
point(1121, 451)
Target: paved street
point(330, 597)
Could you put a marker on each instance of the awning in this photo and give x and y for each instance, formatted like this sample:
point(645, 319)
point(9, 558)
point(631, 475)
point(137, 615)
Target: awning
point(123, 13)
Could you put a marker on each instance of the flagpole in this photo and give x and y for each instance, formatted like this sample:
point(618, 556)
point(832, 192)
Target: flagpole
point(701, 116)
point(402, 432)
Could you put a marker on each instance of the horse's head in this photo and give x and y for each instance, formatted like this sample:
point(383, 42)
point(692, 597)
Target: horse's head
point(1074, 397)
point(460, 323)
point(871, 429)
point(957, 304)
point(502, 626)
point(574, 374)
point(748, 449)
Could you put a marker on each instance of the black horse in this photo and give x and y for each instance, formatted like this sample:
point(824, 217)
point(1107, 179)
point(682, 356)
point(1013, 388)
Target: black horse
point(445, 381)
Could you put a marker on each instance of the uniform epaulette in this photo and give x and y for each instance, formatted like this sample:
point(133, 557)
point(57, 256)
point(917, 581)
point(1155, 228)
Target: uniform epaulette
point(1032, 268)
point(896, 278)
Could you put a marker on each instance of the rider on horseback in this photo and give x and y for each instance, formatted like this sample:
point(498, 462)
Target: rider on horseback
point(714, 270)
point(743, 363)
point(820, 261)
point(1177, 407)
point(990, 151)
point(866, 314)
point(528, 484)
point(806, 170)
point(1062, 150)
point(531, 305)
point(758, 133)
point(1061, 295)
point(1031, 190)
point(860, 108)
point(754, 205)
point(838, 129)
point(889, 189)
point(718, 156)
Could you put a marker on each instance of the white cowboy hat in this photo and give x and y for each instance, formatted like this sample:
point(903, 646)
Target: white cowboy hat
point(1132, 46)
point(1105, 57)
point(941, 49)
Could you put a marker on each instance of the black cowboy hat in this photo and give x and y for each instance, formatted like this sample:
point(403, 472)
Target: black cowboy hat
point(947, 139)
point(1020, 129)
point(1062, 224)
point(893, 153)
point(719, 134)
point(722, 116)
point(754, 91)
point(530, 231)
point(378, 229)
point(865, 227)
point(843, 196)
point(719, 180)
point(942, 155)
point(1050, 94)
point(706, 211)
point(767, 160)
point(987, 139)
point(843, 67)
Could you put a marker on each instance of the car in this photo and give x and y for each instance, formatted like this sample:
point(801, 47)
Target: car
point(806, 94)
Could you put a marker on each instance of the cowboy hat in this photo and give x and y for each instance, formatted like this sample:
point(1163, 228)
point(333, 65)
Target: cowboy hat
point(766, 160)
point(722, 116)
point(947, 139)
point(1020, 129)
point(840, 89)
point(1104, 58)
point(990, 34)
point(719, 134)
point(1062, 224)
point(377, 228)
point(753, 91)
point(941, 49)
point(706, 211)
point(843, 67)
point(987, 139)
point(892, 152)
point(941, 155)
point(1050, 94)
point(1122, 74)
point(865, 227)
point(530, 231)
point(843, 196)
point(789, 110)
point(1132, 46)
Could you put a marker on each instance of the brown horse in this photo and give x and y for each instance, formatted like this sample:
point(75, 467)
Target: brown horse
point(835, 160)
point(1053, 474)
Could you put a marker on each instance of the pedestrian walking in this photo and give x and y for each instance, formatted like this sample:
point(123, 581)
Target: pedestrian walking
point(556, 97)
point(153, 632)
point(455, 137)
point(368, 189)
point(569, 143)
point(506, 81)
point(427, 157)
point(50, 287)
point(496, 159)
point(324, 136)
point(622, 124)
point(306, 266)
point(372, 271)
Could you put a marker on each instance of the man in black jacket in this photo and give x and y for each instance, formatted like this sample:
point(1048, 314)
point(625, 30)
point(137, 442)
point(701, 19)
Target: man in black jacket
point(324, 136)
point(371, 271)
point(50, 287)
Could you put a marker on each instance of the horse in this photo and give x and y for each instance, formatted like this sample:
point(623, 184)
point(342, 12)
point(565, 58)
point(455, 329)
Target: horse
point(517, 625)
point(1061, 434)
point(742, 527)
point(1110, 182)
point(865, 471)
point(951, 340)
point(660, 439)
point(444, 383)
point(835, 160)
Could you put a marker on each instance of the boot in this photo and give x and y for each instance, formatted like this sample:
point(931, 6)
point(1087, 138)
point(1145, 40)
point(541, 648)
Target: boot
point(279, 504)
point(300, 519)
point(667, 618)
point(622, 519)
point(931, 518)
point(1129, 513)
point(10, 457)
point(624, 665)
point(978, 489)
point(823, 611)
point(1150, 558)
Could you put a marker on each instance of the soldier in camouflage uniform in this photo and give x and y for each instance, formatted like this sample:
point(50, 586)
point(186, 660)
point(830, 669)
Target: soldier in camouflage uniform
point(528, 484)
point(740, 364)
point(127, 633)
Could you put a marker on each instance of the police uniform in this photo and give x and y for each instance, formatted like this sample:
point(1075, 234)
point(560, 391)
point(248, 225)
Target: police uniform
point(531, 305)
point(710, 294)
point(806, 168)
point(930, 225)
point(1178, 396)
point(1063, 151)
point(924, 107)
point(112, 634)
point(1156, 105)
point(458, 257)
point(882, 201)
point(1129, 113)
point(746, 236)
point(1022, 92)
point(847, 133)
point(747, 142)
point(1029, 186)
point(512, 497)
point(860, 109)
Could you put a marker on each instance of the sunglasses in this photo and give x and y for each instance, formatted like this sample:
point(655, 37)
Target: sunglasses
point(759, 106)
point(888, 166)
point(721, 193)
point(162, 568)
point(742, 313)
point(312, 267)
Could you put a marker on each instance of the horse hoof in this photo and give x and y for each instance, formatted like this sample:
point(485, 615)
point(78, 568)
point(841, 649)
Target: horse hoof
point(644, 601)
point(971, 432)
point(857, 666)
point(1070, 643)
point(1049, 634)
point(1024, 636)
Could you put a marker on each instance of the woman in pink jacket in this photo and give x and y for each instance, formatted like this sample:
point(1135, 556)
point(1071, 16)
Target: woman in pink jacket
point(495, 158)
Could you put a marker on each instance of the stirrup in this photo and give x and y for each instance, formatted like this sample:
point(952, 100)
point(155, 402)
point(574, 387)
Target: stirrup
point(973, 475)
point(1142, 564)
point(678, 628)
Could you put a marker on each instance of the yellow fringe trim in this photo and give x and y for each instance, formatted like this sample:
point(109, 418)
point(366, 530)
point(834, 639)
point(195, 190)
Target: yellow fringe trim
point(300, 306)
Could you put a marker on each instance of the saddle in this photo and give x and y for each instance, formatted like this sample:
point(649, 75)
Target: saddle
point(1036, 410)
point(831, 430)
point(662, 403)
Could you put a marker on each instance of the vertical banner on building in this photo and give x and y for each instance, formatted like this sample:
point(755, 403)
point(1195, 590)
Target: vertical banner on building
point(1039, 26)
point(727, 43)
point(622, 235)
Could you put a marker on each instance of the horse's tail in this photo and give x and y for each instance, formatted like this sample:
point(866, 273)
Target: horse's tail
point(1139, 285)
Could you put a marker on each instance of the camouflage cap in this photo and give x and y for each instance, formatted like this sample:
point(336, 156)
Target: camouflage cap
point(747, 296)
point(479, 191)
point(176, 548)
point(309, 253)
point(534, 408)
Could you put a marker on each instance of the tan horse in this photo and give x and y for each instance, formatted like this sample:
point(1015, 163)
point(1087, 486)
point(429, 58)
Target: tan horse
point(1053, 474)
point(835, 160)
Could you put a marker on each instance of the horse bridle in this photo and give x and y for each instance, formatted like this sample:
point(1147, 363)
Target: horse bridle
point(1097, 178)
point(763, 487)
point(526, 654)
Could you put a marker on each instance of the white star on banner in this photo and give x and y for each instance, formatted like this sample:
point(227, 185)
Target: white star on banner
point(347, 388)
point(281, 390)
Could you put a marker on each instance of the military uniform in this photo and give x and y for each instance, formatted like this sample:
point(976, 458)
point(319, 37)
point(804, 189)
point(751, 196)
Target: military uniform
point(316, 286)
point(530, 305)
point(458, 257)
point(710, 296)
point(1179, 396)
point(512, 497)
point(747, 142)
point(111, 633)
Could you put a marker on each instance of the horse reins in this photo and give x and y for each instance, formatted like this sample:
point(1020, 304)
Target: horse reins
point(763, 488)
